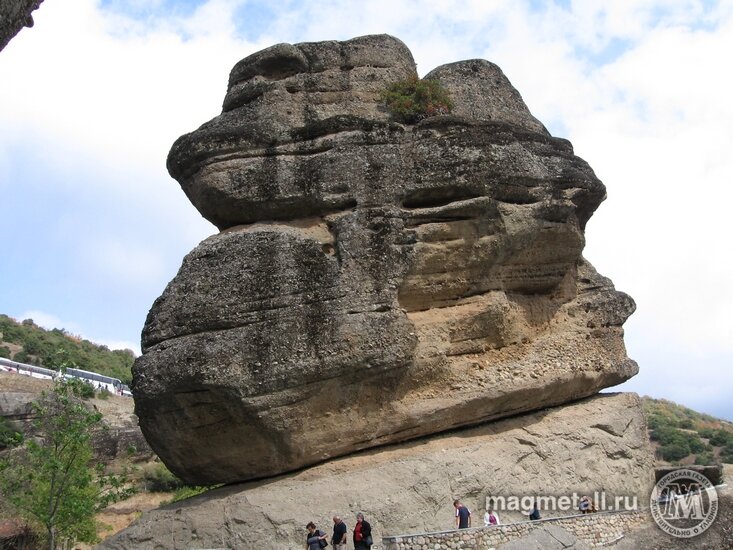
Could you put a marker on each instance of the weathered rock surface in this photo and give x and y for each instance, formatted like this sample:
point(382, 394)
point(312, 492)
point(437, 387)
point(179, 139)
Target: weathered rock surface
point(373, 282)
point(595, 444)
point(14, 15)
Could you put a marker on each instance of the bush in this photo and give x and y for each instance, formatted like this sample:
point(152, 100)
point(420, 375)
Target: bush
point(722, 438)
point(161, 480)
point(674, 451)
point(412, 100)
point(103, 394)
point(22, 357)
point(695, 443)
point(85, 390)
point(705, 459)
point(726, 455)
point(32, 345)
point(9, 437)
point(707, 433)
point(5, 352)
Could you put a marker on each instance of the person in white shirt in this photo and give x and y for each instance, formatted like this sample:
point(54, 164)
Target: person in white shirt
point(491, 518)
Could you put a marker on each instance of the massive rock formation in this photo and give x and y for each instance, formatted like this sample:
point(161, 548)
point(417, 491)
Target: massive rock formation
point(373, 282)
point(596, 444)
point(14, 15)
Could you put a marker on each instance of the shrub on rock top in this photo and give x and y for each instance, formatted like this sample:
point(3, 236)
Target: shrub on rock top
point(412, 99)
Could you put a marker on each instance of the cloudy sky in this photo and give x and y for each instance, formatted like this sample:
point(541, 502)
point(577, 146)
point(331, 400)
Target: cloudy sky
point(92, 97)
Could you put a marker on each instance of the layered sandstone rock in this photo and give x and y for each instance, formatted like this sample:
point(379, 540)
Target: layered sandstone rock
point(372, 282)
point(598, 444)
point(14, 15)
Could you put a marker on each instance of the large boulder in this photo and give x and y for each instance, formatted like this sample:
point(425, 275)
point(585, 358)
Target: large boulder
point(372, 282)
point(598, 444)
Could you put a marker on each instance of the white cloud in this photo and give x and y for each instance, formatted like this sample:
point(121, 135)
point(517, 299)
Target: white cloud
point(120, 92)
point(50, 321)
point(122, 262)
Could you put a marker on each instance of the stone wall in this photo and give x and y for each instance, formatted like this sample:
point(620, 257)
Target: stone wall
point(594, 529)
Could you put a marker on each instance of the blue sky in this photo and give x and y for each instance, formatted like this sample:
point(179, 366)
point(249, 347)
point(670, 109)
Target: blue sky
point(92, 97)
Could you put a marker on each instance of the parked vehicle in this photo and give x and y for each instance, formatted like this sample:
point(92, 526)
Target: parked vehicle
point(29, 370)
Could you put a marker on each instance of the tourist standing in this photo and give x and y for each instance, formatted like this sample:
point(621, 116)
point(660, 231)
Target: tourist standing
point(315, 538)
point(491, 518)
point(339, 534)
point(362, 533)
point(463, 515)
point(535, 514)
point(584, 505)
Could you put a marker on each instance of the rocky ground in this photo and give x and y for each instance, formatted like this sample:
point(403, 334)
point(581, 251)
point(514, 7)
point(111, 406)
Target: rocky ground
point(410, 487)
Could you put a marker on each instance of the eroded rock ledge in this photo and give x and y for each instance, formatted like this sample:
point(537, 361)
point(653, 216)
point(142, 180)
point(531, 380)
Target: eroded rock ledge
point(373, 282)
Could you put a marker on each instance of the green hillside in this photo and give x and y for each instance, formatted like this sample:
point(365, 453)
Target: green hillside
point(683, 436)
point(26, 342)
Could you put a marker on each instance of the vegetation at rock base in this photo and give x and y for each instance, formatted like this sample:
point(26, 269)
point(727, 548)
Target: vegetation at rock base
point(683, 436)
point(52, 481)
point(412, 99)
point(161, 479)
point(9, 437)
point(39, 346)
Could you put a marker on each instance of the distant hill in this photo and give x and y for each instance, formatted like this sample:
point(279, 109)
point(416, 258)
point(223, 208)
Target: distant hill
point(26, 342)
point(683, 436)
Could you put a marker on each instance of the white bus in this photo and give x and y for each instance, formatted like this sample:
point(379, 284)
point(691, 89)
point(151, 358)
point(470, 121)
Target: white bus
point(97, 381)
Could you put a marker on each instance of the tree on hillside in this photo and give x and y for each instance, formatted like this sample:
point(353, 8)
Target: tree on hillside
point(52, 481)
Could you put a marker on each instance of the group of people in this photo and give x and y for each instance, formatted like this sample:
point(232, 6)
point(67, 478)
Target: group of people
point(491, 518)
point(463, 516)
point(362, 535)
point(316, 539)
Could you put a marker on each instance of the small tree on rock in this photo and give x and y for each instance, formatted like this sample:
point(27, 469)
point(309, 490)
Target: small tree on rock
point(413, 99)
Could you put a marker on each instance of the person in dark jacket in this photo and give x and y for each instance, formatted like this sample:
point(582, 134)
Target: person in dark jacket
point(339, 534)
point(362, 533)
point(463, 515)
point(535, 514)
